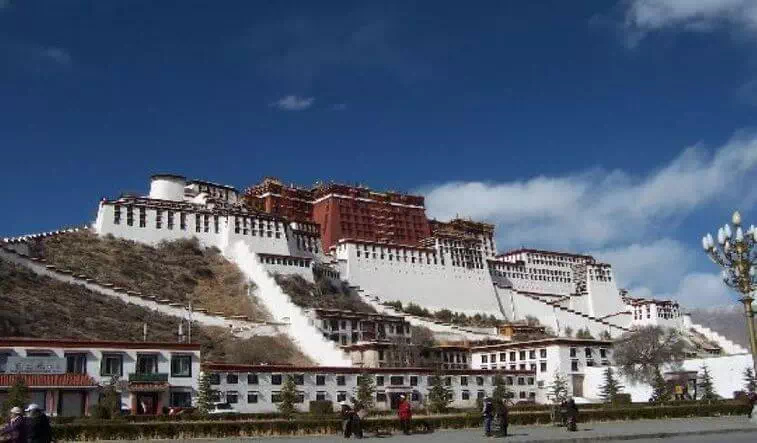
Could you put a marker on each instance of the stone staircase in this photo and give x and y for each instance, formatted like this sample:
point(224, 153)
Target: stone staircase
point(728, 346)
point(589, 320)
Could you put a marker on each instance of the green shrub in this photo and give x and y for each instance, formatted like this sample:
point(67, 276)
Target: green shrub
point(303, 425)
point(321, 407)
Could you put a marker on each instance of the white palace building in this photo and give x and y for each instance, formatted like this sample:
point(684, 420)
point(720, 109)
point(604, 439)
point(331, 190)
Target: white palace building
point(382, 246)
point(562, 290)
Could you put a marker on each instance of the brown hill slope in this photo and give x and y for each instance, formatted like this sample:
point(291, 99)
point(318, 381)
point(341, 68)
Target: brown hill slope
point(40, 307)
point(323, 294)
point(170, 271)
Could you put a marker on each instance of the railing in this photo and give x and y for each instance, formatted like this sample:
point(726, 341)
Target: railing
point(149, 378)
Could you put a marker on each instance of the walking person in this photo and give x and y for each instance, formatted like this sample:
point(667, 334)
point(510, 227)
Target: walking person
point(488, 413)
point(15, 431)
point(359, 412)
point(40, 430)
point(572, 412)
point(502, 417)
point(405, 413)
point(346, 413)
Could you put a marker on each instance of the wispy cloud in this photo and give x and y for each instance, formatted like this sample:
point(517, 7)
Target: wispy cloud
point(612, 214)
point(645, 16)
point(34, 58)
point(56, 55)
point(293, 103)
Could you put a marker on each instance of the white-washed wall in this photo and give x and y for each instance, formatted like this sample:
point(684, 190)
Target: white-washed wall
point(307, 336)
point(264, 389)
point(726, 371)
point(433, 286)
point(604, 298)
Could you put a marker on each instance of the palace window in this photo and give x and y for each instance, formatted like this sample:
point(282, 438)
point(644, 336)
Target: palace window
point(183, 221)
point(158, 219)
point(198, 223)
point(116, 215)
point(169, 222)
point(130, 215)
point(207, 222)
point(142, 218)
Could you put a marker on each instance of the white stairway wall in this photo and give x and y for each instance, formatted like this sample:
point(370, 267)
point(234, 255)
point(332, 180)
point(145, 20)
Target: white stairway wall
point(321, 350)
point(728, 346)
point(727, 376)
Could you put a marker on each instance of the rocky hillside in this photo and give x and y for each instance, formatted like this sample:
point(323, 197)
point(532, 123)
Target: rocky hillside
point(172, 271)
point(40, 307)
point(323, 294)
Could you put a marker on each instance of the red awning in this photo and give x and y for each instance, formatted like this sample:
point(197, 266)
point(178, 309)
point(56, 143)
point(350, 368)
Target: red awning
point(49, 380)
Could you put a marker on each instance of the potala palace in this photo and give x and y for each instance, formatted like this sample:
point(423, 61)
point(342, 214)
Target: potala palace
point(386, 249)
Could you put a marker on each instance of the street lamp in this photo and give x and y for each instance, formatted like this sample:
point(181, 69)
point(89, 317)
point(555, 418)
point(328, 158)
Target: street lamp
point(736, 253)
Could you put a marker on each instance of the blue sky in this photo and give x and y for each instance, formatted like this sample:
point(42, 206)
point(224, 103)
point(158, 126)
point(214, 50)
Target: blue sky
point(625, 129)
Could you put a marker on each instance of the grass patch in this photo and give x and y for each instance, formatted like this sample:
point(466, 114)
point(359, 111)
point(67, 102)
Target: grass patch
point(40, 307)
point(171, 271)
point(323, 294)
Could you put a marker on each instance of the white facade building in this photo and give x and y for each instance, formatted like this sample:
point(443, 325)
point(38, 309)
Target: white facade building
point(568, 356)
point(64, 375)
point(257, 389)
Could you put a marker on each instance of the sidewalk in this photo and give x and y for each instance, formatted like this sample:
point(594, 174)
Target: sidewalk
point(587, 432)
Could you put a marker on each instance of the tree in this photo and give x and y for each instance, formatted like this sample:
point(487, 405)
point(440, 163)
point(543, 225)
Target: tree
point(558, 390)
point(109, 405)
point(584, 333)
point(605, 335)
point(288, 397)
point(568, 331)
point(750, 381)
point(365, 390)
point(501, 392)
point(439, 395)
point(609, 391)
point(444, 315)
point(707, 386)
point(204, 394)
point(641, 354)
point(660, 389)
point(18, 395)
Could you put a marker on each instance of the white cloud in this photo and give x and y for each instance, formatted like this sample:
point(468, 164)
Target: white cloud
point(643, 16)
point(664, 262)
point(57, 55)
point(293, 103)
point(616, 216)
point(598, 208)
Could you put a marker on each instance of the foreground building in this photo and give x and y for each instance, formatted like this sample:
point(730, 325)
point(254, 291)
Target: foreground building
point(257, 389)
point(567, 356)
point(65, 376)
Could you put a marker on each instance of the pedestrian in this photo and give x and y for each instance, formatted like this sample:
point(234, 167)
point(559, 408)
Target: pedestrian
point(502, 416)
point(346, 412)
point(488, 413)
point(357, 419)
point(564, 413)
point(752, 398)
point(572, 413)
point(40, 430)
point(15, 431)
point(405, 413)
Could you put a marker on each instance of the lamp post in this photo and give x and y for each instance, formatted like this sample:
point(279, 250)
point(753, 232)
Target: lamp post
point(736, 253)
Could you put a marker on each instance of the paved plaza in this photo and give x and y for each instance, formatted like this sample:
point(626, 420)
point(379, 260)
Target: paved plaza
point(734, 429)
